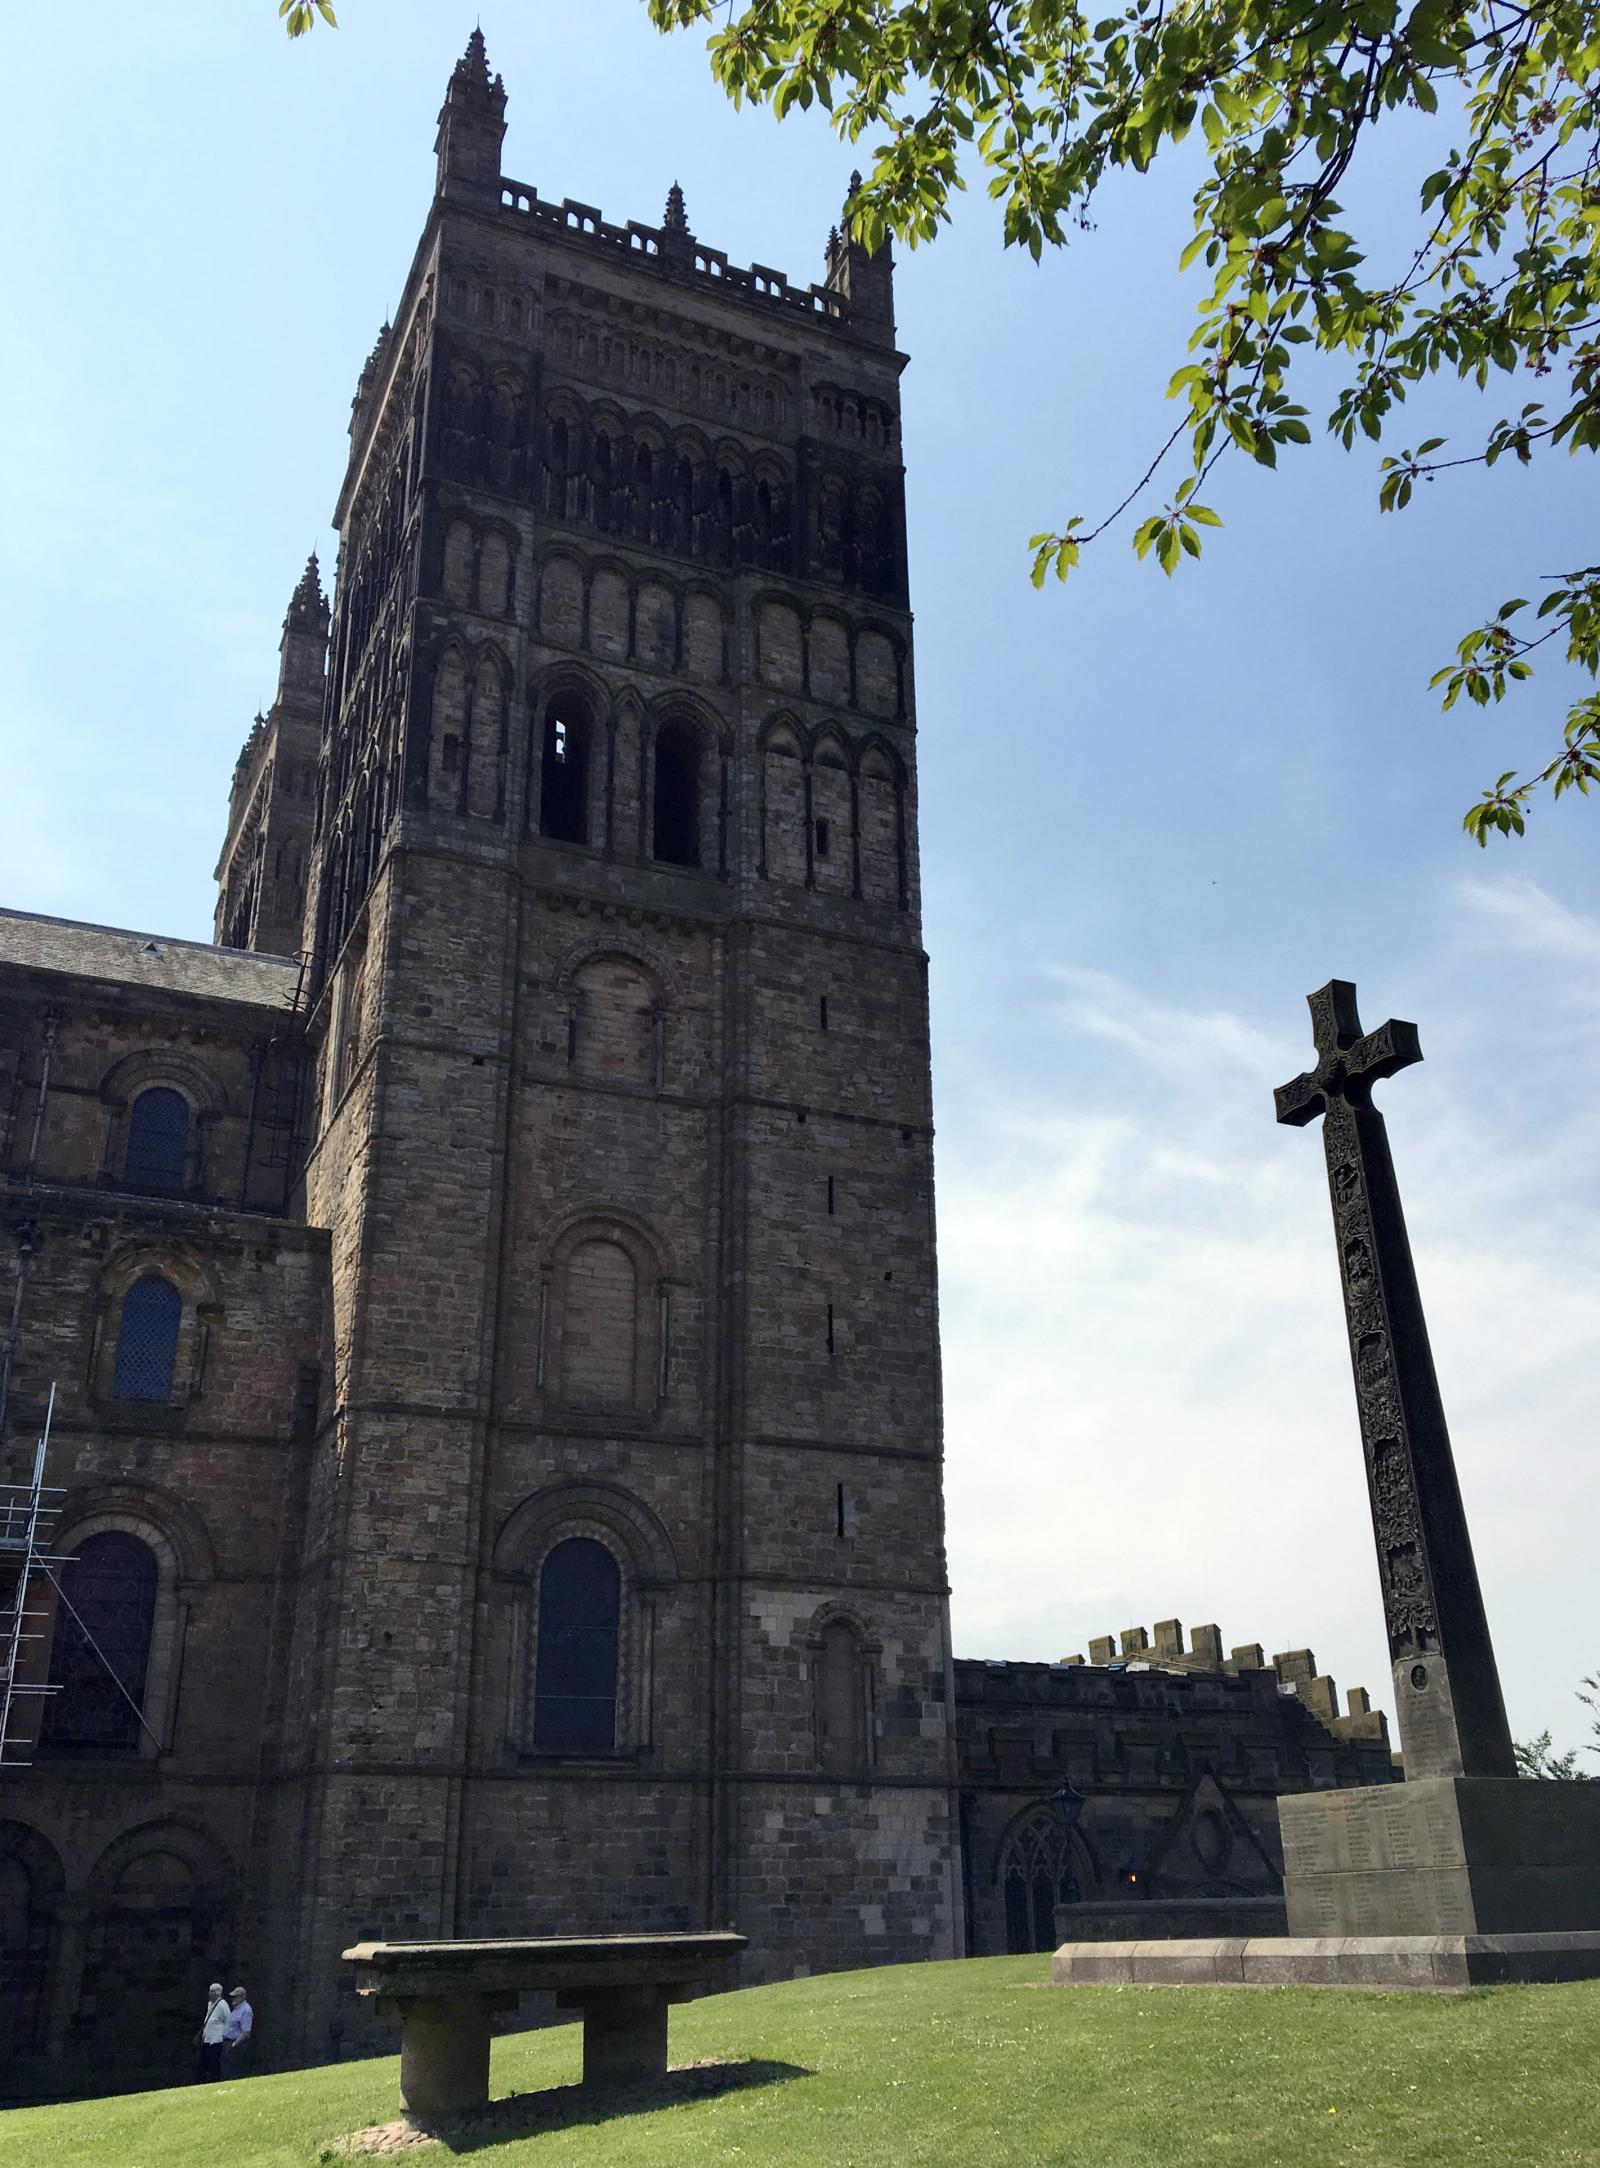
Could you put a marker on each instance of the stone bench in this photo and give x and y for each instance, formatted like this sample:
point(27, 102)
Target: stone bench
point(445, 1995)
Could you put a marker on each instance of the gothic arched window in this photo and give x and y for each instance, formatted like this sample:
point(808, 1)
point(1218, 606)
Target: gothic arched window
point(564, 775)
point(158, 1141)
point(147, 1341)
point(676, 838)
point(101, 1649)
point(575, 1682)
point(1036, 1869)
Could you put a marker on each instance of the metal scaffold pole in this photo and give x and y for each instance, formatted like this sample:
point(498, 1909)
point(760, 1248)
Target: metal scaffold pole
point(28, 1516)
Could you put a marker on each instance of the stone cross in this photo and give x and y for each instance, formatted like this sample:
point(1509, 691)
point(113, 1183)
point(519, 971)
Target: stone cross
point(1447, 1689)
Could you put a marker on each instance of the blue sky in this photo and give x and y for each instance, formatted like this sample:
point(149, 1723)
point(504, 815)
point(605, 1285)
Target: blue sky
point(1155, 814)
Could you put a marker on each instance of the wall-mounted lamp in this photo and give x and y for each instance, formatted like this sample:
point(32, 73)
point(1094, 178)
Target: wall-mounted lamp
point(1067, 1804)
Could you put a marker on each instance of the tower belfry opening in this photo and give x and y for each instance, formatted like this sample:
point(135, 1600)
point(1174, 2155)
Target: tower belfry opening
point(564, 776)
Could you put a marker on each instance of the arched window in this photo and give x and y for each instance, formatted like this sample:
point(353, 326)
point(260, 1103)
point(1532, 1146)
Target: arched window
point(763, 522)
point(158, 1141)
point(557, 465)
point(677, 802)
point(564, 775)
point(600, 1329)
point(147, 1341)
point(575, 1683)
point(101, 1650)
point(1036, 1868)
point(615, 1024)
point(683, 505)
point(31, 1887)
point(841, 1699)
point(643, 491)
point(783, 807)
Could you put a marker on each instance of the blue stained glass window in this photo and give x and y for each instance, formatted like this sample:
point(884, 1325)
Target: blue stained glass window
point(147, 1344)
point(158, 1141)
point(575, 1687)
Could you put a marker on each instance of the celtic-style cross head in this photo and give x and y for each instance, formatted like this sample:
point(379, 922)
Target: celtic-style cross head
point(1349, 1062)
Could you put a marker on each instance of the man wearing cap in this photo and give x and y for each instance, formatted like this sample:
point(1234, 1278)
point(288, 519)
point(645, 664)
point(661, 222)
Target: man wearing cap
point(212, 2029)
point(236, 2034)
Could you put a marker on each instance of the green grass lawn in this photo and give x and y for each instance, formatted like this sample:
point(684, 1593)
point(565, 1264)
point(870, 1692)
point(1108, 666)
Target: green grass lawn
point(970, 2063)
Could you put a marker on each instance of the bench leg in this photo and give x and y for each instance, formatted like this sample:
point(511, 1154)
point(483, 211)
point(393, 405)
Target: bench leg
point(444, 2054)
point(624, 2036)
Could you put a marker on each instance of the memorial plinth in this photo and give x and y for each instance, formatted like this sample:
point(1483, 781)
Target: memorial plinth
point(1444, 1856)
point(1466, 1872)
point(446, 1996)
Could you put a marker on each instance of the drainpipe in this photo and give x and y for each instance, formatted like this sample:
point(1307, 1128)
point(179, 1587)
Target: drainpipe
point(52, 1019)
point(27, 1237)
point(250, 1124)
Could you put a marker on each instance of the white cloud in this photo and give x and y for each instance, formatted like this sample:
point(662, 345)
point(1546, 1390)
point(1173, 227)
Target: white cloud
point(1528, 920)
point(1149, 1407)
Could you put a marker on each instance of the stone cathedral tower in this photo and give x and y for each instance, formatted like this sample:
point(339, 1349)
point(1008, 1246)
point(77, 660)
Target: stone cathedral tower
point(623, 1593)
point(486, 1301)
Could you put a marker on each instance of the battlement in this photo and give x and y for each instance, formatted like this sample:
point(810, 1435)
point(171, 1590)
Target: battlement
point(856, 294)
point(675, 255)
point(1295, 1671)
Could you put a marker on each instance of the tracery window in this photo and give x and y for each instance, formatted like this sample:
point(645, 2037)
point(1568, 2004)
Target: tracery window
point(158, 1141)
point(100, 1653)
point(575, 1681)
point(1036, 1869)
point(147, 1341)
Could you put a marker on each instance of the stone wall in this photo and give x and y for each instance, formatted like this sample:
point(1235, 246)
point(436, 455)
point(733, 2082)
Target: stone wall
point(1180, 1770)
point(135, 1872)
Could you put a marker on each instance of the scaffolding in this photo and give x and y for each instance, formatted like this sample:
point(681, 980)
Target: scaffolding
point(29, 1513)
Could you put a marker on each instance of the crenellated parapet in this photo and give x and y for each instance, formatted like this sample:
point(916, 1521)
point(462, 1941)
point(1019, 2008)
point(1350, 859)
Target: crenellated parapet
point(1294, 1670)
point(857, 306)
point(855, 296)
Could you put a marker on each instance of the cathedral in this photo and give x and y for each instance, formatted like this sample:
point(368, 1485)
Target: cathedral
point(488, 1297)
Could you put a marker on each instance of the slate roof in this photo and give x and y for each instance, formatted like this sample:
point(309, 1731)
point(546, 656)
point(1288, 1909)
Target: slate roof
point(147, 960)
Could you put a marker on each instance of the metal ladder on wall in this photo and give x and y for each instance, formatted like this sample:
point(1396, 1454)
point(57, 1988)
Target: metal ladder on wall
point(28, 1516)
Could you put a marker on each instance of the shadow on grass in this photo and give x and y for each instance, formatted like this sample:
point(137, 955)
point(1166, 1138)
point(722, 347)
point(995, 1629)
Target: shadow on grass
point(561, 2107)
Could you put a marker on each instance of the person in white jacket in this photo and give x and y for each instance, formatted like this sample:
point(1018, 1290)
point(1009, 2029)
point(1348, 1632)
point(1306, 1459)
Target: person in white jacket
point(213, 2027)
